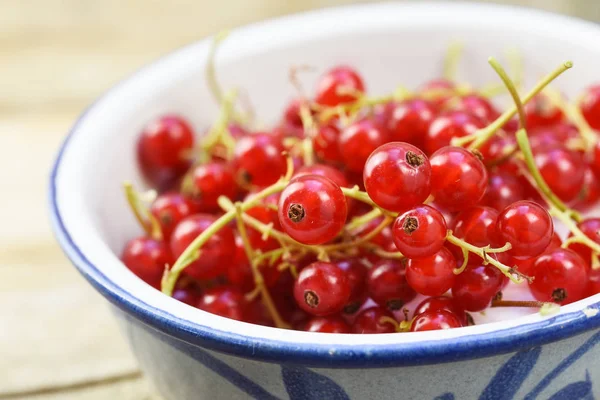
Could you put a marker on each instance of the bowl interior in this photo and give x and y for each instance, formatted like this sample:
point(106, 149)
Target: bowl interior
point(390, 44)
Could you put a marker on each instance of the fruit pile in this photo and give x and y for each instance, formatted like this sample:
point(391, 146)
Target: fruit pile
point(353, 205)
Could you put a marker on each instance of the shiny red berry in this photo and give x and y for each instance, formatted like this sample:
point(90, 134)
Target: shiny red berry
point(322, 289)
point(409, 121)
point(397, 176)
point(503, 190)
point(475, 288)
point(447, 126)
point(325, 144)
point(370, 321)
point(169, 209)
point(442, 303)
point(215, 255)
point(210, 181)
point(387, 285)
point(563, 170)
point(162, 150)
point(356, 273)
point(435, 320)
point(560, 276)
point(312, 209)
point(527, 227)
point(147, 258)
point(591, 228)
point(357, 141)
point(540, 111)
point(479, 106)
point(590, 192)
point(433, 275)
point(420, 232)
point(329, 324)
point(258, 160)
point(339, 85)
point(224, 301)
point(590, 106)
point(458, 178)
point(477, 226)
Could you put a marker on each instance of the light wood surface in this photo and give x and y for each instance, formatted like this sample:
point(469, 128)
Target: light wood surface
point(57, 337)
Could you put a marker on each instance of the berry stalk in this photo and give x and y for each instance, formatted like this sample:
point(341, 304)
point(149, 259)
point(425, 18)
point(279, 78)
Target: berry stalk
point(142, 214)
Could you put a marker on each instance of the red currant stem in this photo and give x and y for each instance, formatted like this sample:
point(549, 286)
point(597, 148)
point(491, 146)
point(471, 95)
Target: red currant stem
point(361, 240)
point(516, 68)
point(308, 154)
point(567, 220)
point(219, 133)
point(357, 222)
point(461, 269)
point(453, 56)
point(390, 320)
point(353, 107)
point(517, 303)
point(574, 115)
point(357, 194)
point(482, 252)
point(210, 71)
point(480, 137)
point(378, 251)
point(142, 214)
point(511, 89)
point(540, 183)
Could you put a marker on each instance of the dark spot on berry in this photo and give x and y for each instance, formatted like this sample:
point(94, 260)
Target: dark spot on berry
point(166, 218)
point(351, 308)
point(414, 160)
point(410, 225)
point(296, 212)
point(470, 320)
point(245, 177)
point(497, 297)
point(559, 295)
point(477, 154)
point(395, 304)
point(311, 298)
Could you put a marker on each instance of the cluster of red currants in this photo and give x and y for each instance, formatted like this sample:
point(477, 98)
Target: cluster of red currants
point(352, 205)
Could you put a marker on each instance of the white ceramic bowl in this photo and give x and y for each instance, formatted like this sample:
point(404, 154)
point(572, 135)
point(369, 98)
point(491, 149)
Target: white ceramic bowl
point(190, 354)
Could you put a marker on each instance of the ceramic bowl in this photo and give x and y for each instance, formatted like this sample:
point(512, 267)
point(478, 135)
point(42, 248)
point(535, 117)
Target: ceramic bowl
point(190, 354)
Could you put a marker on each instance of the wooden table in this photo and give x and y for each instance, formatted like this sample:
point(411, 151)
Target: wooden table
point(57, 337)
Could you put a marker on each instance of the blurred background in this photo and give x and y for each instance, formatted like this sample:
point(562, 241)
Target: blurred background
point(57, 338)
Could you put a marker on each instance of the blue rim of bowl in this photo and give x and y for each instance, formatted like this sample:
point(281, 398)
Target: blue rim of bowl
point(461, 348)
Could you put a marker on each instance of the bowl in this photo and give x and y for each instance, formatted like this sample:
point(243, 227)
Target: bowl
point(190, 354)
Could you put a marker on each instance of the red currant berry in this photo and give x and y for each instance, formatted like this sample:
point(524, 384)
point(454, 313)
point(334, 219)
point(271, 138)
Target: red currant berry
point(387, 285)
point(477, 226)
point(266, 214)
point(527, 227)
point(216, 254)
point(458, 178)
point(475, 288)
point(327, 171)
point(563, 170)
point(187, 292)
point(370, 321)
point(339, 85)
point(409, 121)
point(594, 284)
point(433, 275)
point(357, 141)
point(541, 112)
point(442, 88)
point(590, 106)
point(312, 209)
point(420, 232)
point(147, 258)
point(440, 303)
point(356, 273)
point(503, 190)
point(560, 276)
point(447, 126)
point(325, 144)
point(330, 324)
point(549, 137)
point(208, 182)
point(590, 193)
point(291, 114)
point(258, 160)
point(322, 289)
point(397, 176)
point(239, 272)
point(169, 209)
point(591, 228)
point(435, 320)
point(497, 150)
point(478, 106)
point(224, 301)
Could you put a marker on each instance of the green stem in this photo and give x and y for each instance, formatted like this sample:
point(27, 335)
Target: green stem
point(582, 238)
point(360, 221)
point(452, 58)
point(511, 89)
point(210, 72)
point(142, 214)
point(357, 194)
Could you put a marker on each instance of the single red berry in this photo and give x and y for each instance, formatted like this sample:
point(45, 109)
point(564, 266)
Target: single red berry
point(527, 227)
point(397, 176)
point(329, 324)
point(590, 192)
point(239, 272)
point(258, 160)
point(162, 150)
point(440, 303)
point(563, 170)
point(357, 141)
point(435, 320)
point(387, 285)
point(433, 275)
point(447, 126)
point(208, 182)
point(497, 150)
point(442, 88)
point(409, 121)
point(591, 228)
point(258, 314)
point(322, 289)
point(356, 273)
point(325, 144)
point(215, 255)
point(590, 106)
point(560, 276)
point(327, 171)
point(147, 258)
point(267, 214)
point(371, 320)
point(477, 226)
point(341, 84)
point(549, 137)
point(475, 288)
point(420, 232)
point(169, 209)
point(291, 114)
point(540, 111)
point(503, 190)
point(594, 283)
point(525, 266)
point(224, 301)
point(478, 106)
point(187, 292)
point(595, 162)
point(312, 209)
point(458, 178)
